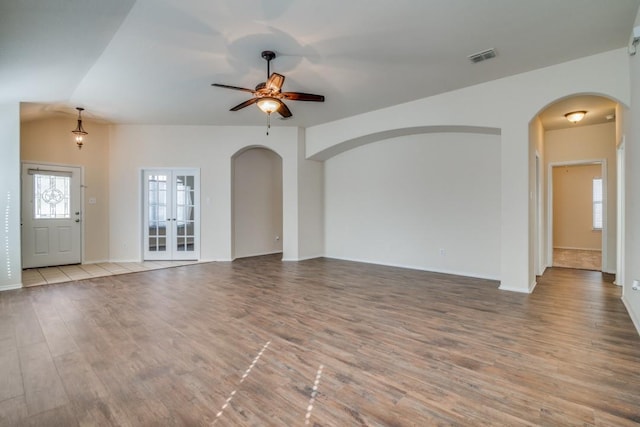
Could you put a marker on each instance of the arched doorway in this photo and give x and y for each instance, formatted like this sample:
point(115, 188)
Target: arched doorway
point(256, 179)
point(558, 143)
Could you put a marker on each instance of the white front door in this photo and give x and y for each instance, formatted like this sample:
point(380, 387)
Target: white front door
point(171, 214)
point(51, 214)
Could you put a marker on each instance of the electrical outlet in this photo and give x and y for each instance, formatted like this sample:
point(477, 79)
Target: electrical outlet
point(442, 252)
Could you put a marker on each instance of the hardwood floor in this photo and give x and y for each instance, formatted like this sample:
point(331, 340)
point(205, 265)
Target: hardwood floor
point(258, 342)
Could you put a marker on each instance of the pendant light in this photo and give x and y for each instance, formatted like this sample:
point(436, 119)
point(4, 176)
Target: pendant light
point(79, 131)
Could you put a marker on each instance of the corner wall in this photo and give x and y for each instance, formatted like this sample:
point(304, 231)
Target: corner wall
point(311, 213)
point(631, 297)
point(10, 268)
point(537, 209)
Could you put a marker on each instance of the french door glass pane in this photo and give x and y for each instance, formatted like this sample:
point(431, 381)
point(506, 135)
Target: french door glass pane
point(157, 197)
point(185, 207)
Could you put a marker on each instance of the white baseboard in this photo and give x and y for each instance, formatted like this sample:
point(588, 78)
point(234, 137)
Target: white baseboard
point(422, 268)
point(634, 318)
point(257, 254)
point(302, 258)
point(519, 290)
point(11, 287)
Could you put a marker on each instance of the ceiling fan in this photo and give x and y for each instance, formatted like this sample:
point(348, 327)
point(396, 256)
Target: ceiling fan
point(268, 95)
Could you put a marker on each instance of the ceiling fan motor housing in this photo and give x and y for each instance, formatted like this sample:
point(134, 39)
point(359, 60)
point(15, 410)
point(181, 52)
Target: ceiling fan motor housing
point(268, 55)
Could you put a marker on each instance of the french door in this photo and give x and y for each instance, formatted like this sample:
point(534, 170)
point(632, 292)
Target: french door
point(171, 220)
point(51, 215)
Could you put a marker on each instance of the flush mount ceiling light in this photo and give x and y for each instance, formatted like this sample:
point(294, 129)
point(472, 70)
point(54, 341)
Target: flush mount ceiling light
point(575, 116)
point(79, 131)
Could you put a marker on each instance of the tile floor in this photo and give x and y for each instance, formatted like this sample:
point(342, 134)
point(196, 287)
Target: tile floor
point(69, 273)
point(576, 258)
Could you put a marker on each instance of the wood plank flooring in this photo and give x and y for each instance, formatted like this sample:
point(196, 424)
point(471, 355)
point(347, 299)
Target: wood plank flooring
point(259, 342)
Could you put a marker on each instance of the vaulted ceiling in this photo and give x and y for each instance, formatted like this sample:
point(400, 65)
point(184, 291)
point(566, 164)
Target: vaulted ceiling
point(153, 61)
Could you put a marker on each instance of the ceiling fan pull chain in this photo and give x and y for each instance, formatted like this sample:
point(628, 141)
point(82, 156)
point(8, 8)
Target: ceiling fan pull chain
point(268, 123)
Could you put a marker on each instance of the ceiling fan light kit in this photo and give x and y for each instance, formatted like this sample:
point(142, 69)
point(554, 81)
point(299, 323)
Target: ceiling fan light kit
point(268, 105)
point(268, 95)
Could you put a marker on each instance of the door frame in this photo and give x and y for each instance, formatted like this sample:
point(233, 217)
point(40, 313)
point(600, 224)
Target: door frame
point(82, 197)
point(605, 204)
point(539, 258)
point(620, 214)
point(171, 172)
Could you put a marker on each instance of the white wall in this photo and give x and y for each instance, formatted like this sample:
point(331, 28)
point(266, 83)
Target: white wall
point(508, 105)
point(586, 143)
point(311, 230)
point(401, 200)
point(537, 209)
point(630, 297)
point(211, 149)
point(10, 267)
point(257, 203)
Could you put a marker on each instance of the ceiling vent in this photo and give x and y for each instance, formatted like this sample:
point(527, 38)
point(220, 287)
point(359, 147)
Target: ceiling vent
point(482, 56)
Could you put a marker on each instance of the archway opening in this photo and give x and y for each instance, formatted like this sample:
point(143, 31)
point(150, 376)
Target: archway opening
point(257, 219)
point(558, 224)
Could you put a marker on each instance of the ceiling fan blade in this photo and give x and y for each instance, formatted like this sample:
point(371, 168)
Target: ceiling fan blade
point(244, 89)
point(275, 82)
point(244, 104)
point(299, 96)
point(284, 110)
